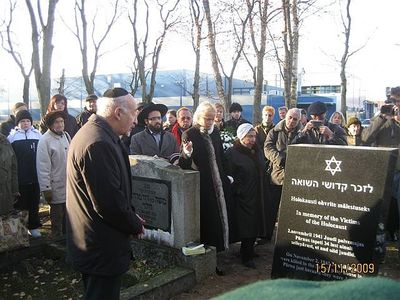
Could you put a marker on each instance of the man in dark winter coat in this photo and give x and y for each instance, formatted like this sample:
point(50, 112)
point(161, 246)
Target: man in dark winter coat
point(99, 190)
point(318, 130)
point(236, 117)
point(384, 131)
point(153, 140)
point(278, 139)
point(90, 109)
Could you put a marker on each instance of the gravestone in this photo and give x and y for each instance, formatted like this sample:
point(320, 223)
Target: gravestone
point(168, 198)
point(332, 200)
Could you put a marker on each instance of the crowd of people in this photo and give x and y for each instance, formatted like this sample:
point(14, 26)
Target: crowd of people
point(83, 162)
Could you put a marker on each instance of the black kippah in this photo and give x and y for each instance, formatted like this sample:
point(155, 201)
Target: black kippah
point(115, 92)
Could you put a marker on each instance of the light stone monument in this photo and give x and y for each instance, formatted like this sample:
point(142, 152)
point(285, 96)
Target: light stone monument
point(168, 198)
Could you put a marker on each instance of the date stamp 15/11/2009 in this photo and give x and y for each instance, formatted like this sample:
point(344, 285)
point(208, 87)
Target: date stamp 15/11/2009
point(339, 268)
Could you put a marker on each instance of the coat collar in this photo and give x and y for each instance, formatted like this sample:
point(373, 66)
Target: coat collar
point(101, 122)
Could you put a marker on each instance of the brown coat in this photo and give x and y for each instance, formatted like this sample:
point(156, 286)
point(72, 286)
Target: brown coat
point(8, 176)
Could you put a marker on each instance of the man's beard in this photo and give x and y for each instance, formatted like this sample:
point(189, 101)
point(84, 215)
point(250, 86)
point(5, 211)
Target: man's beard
point(154, 128)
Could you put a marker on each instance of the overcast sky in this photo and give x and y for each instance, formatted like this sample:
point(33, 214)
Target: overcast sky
point(369, 71)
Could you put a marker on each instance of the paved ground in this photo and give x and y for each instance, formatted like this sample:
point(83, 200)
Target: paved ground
point(238, 275)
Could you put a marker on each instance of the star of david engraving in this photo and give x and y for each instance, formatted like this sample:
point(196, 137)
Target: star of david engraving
point(329, 163)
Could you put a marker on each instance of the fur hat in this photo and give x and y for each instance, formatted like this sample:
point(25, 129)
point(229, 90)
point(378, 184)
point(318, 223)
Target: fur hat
point(353, 120)
point(243, 130)
point(235, 107)
point(149, 108)
point(51, 117)
point(317, 108)
point(21, 115)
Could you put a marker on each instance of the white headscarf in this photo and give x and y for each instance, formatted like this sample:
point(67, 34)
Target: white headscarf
point(243, 130)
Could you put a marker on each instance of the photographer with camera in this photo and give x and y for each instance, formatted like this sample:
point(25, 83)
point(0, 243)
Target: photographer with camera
point(318, 130)
point(384, 131)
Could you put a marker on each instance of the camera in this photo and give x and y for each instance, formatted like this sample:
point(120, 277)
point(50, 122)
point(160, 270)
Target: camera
point(388, 109)
point(317, 124)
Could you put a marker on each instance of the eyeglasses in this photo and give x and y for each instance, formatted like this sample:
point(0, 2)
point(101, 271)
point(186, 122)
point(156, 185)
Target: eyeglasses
point(154, 118)
point(185, 118)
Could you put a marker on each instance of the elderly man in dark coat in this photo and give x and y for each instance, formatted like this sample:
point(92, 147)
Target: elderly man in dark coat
point(99, 190)
point(153, 140)
point(275, 148)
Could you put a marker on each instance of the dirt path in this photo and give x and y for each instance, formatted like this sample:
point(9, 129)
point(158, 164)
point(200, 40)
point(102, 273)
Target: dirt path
point(237, 275)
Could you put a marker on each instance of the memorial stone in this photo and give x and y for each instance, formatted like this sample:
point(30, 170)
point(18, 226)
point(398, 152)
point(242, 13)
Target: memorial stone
point(168, 198)
point(332, 201)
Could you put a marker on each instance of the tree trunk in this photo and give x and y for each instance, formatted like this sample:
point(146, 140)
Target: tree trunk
point(196, 44)
point(25, 93)
point(295, 55)
point(343, 62)
point(42, 73)
point(213, 54)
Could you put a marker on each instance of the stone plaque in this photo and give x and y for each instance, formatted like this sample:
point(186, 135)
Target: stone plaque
point(332, 200)
point(152, 201)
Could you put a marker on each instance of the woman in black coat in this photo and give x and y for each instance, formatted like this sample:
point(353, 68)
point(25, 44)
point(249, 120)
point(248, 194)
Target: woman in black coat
point(247, 166)
point(202, 151)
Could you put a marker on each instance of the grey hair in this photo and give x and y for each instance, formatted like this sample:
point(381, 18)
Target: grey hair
point(106, 106)
point(203, 108)
point(296, 111)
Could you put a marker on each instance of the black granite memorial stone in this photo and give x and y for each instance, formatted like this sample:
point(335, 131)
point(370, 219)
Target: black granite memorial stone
point(332, 200)
point(152, 201)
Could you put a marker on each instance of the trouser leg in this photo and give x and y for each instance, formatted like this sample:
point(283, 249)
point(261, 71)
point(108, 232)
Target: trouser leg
point(101, 287)
point(57, 217)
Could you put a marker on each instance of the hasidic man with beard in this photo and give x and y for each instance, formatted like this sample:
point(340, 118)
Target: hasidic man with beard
point(153, 140)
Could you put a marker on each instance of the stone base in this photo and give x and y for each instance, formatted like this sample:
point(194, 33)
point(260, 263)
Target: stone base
point(203, 264)
point(164, 286)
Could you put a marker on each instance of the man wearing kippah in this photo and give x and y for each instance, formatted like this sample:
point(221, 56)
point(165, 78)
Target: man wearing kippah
point(90, 109)
point(100, 215)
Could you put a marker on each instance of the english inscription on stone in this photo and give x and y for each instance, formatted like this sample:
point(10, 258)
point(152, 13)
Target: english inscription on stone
point(152, 201)
point(332, 200)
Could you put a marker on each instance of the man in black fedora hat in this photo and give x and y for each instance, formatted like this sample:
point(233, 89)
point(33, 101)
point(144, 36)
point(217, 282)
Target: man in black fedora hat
point(318, 130)
point(90, 109)
point(153, 140)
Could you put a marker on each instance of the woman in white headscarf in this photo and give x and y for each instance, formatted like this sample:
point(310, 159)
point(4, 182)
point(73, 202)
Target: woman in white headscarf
point(246, 164)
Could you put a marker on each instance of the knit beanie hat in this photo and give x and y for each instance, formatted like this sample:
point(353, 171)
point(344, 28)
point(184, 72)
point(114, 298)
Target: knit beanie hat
point(21, 115)
point(243, 130)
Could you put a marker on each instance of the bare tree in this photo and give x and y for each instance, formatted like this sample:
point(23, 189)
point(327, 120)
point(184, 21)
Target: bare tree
point(9, 44)
point(42, 67)
point(197, 23)
point(214, 55)
point(140, 45)
point(81, 34)
point(345, 57)
point(239, 30)
point(258, 21)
